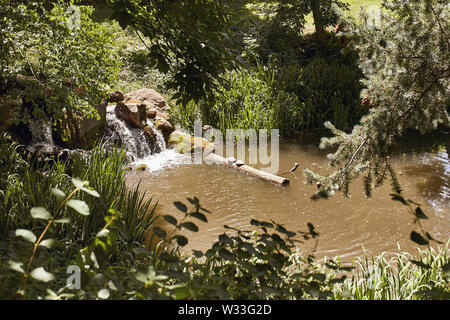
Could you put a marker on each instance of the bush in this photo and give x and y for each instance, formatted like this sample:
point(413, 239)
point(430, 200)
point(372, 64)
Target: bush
point(331, 92)
point(24, 185)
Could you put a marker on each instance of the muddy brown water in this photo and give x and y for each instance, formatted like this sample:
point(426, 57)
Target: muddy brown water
point(347, 227)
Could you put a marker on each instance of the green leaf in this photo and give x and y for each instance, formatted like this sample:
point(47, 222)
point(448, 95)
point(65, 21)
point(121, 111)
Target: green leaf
point(417, 238)
point(190, 226)
point(168, 257)
point(122, 17)
point(63, 220)
point(48, 243)
point(40, 213)
point(142, 250)
point(313, 289)
point(225, 239)
point(91, 191)
point(198, 254)
point(159, 232)
point(16, 266)
point(79, 206)
point(103, 294)
point(419, 214)
point(180, 206)
point(79, 183)
point(429, 237)
point(225, 254)
point(102, 233)
point(26, 234)
point(42, 275)
point(182, 293)
point(170, 220)
point(58, 194)
point(48, 5)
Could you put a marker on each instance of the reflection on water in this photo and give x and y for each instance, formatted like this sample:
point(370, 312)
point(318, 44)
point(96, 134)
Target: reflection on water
point(431, 175)
point(346, 226)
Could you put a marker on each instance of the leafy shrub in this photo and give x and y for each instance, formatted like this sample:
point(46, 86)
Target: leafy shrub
point(52, 64)
point(331, 92)
point(24, 186)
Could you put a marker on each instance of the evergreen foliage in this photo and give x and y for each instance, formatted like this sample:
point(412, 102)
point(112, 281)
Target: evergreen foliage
point(407, 87)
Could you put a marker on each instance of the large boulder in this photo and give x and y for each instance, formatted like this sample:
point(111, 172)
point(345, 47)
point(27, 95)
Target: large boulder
point(128, 113)
point(164, 126)
point(149, 97)
point(183, 143)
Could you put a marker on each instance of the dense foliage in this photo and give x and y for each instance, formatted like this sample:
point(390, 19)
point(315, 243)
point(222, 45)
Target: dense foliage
point(54, 226)
point(53, 59)
point(191, 40)
point(58, 217)
point(251, 100)
point(407, 87)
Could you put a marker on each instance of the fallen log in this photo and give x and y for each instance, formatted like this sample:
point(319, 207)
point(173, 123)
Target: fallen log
point(239, 165)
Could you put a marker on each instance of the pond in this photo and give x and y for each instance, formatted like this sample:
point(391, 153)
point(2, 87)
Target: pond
point(347, 227)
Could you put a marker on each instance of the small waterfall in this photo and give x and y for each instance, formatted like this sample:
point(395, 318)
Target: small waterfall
point(133, 139)
point(160, 144)
point(120, 133)
point(41, 132)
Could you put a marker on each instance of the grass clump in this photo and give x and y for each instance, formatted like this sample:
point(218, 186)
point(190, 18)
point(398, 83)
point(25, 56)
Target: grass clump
point(399, 277)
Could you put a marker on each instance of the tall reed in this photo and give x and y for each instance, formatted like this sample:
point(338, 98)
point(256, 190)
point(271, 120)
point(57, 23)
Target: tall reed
point(399, 277)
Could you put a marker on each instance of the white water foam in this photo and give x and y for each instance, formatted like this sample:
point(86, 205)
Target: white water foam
point(165, 159)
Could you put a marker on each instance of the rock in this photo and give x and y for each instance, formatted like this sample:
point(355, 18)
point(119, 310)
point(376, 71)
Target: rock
point(149, 134)
point(88, 126)
point(184, 143)
point(149, 97)
point(6, 108)
point(151, 113)
point(115, 96)
point(142, 113)
point(180, 141)
point(164, 126)
point(128, 113)
point(163, 115)
point(141, 167)
point(74, 131)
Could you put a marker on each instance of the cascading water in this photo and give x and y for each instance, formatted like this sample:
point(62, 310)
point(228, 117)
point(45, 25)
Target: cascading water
point(120, 133)
point(41, 132)
point(155, 155)
point(160, 144)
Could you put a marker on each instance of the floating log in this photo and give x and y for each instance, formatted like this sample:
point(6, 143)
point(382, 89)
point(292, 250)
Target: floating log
point(239, 165)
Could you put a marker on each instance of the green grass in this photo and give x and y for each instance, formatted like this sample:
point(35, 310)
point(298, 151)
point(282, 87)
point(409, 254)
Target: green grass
point(399, 277)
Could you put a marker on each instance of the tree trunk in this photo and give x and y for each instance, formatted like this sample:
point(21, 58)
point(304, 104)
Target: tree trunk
point(318, 20)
